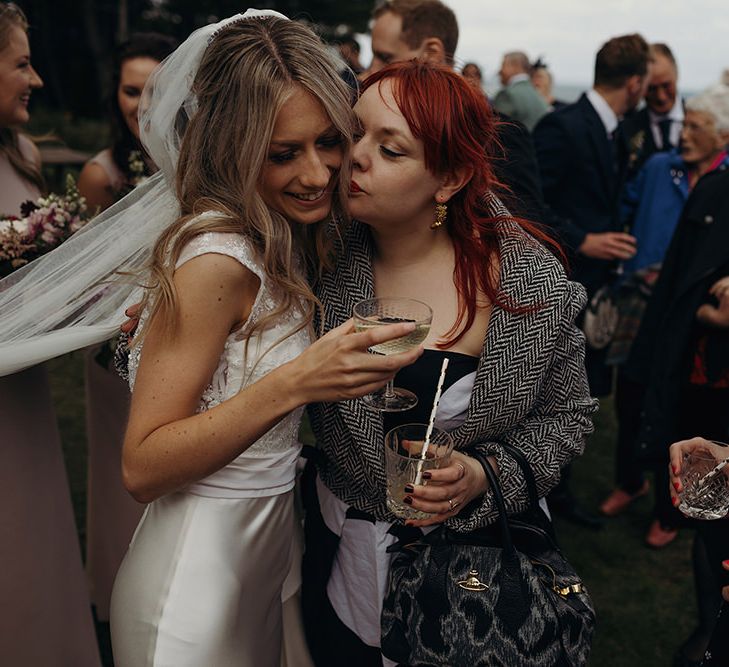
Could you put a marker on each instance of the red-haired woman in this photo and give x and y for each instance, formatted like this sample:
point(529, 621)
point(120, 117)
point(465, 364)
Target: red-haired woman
point(428, 226)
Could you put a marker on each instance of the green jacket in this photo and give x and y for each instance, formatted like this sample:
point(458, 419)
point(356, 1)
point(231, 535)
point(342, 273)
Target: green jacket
point(521, 102)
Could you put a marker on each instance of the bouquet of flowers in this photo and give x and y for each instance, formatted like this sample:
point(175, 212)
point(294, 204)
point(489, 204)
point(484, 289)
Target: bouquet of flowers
point(42, 225)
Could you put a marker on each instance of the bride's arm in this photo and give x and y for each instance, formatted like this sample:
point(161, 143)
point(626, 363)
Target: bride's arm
point(167, 445)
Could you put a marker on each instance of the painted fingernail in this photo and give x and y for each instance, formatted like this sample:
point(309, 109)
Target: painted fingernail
point(409, 488)
point(407, 500)
point(674, 469)
point(675, 502)
point(427, 475)
point(677, 486)
point(725, 563)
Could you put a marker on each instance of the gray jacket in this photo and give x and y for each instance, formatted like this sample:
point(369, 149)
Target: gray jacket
point(530, 389)
point(522, 102)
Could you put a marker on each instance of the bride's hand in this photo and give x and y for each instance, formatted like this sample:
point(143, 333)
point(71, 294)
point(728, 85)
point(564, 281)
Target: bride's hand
point(130, 326)
point(338, 367)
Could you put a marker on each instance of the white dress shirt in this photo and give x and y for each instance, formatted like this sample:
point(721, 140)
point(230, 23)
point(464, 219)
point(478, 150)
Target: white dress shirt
point(675, 115)
point(607, 115)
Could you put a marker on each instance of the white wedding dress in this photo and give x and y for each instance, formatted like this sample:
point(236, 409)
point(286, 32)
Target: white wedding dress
point(206, 571)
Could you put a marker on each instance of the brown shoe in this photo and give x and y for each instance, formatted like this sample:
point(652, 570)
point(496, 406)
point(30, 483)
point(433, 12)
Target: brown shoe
point(619, 501)
point(659, 536)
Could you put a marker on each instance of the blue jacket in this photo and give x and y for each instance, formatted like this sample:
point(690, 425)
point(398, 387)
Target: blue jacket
point(652, 205)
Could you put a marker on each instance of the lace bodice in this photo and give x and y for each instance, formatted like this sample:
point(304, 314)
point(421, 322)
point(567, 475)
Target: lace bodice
point(241, 365)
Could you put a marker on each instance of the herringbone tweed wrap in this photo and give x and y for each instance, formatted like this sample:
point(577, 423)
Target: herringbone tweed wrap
point(530, 389)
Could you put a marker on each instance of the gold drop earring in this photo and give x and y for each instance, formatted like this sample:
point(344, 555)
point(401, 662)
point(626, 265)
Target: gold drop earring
point(441, 213)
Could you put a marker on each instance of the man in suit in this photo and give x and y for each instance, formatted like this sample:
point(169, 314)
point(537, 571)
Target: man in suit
point(428, 30)
point(518, 98)
point(657, 126)
point(582, 164)
point(582, 161)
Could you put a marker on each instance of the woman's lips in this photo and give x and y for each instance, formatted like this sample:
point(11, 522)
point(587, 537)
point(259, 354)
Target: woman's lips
point(354, 187)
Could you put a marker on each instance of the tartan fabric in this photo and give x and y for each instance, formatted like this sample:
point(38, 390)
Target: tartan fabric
point(632, 298)
point(530, 389)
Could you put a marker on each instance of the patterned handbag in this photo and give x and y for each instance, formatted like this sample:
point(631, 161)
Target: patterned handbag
point(502, 595)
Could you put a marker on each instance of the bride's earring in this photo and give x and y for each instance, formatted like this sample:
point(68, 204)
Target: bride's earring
point(441, 213)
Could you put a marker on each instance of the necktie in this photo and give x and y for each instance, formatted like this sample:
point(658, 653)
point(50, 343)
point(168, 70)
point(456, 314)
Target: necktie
point(664, 126)
point(615, 138)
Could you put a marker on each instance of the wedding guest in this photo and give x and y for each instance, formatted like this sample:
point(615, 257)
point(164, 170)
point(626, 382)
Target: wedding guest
point(716, 540)
point(680, 356)
point(349, 49)
point(518, 99)
point(111, 513)
point(542, 80)
point(657, 126)
point(653, 202)
point(427, 30)
point(46, 616)
point(582, 165)
point(516, 372)
point(471, 72)
point(110, 174)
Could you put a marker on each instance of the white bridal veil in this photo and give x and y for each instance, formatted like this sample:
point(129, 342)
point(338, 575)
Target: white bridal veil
point(74, 296)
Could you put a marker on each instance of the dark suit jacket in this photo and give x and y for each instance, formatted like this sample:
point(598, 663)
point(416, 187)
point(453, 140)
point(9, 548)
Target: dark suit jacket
point(581, 179)
point(516, 168)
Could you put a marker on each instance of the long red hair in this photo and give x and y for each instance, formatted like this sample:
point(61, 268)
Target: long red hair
point(458, 130)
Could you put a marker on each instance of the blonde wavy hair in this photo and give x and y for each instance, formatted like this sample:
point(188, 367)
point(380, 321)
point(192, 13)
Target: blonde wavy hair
point(246, 75)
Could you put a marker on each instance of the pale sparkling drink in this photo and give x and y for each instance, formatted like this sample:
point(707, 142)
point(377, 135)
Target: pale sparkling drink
point(382, 311)
point(403, 449)
point(402, 344)
point(703, 495)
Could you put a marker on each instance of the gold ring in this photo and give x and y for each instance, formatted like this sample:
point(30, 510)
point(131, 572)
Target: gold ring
point(452, 504)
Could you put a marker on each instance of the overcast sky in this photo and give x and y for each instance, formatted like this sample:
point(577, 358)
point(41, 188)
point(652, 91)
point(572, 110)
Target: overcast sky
point(568, 33)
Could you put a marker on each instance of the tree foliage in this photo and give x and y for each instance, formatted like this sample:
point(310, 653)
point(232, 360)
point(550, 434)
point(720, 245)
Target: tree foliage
point(72, 42)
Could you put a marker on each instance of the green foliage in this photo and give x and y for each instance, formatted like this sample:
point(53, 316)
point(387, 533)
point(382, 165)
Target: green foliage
point(190, 14)
point(73, 43)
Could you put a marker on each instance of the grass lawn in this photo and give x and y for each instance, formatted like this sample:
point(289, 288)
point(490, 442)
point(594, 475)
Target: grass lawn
point(644, 598)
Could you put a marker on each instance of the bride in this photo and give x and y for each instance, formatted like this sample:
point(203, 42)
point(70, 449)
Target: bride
point(222, 366)
point(249, 123)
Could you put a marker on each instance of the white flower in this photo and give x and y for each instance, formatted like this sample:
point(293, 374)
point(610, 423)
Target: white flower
point(20, 226)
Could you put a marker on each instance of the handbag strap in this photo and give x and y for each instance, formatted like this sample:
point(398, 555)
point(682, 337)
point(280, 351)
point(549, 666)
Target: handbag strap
point(498, 496)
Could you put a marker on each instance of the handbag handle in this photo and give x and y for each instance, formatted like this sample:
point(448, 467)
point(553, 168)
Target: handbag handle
point(538, 517)
point(523, 464)
point(508, 544)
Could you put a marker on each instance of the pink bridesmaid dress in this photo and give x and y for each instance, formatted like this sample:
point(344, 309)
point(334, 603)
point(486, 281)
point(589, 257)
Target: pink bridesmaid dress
point(111, 514)
point(46, 617)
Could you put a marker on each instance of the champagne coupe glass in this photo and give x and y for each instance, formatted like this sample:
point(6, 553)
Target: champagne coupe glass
point(705, 491)
point(392, 310)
